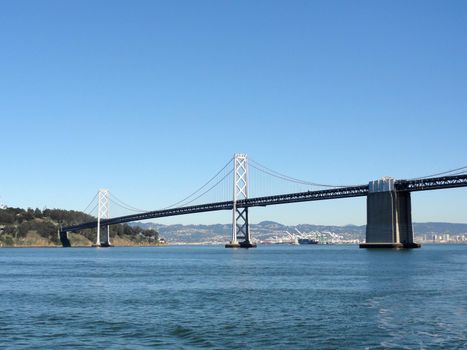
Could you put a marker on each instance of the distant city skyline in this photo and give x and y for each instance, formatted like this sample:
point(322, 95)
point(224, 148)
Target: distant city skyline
point(150, 99)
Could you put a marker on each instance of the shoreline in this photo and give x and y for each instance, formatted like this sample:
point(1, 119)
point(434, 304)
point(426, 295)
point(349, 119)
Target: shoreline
point(80, 246)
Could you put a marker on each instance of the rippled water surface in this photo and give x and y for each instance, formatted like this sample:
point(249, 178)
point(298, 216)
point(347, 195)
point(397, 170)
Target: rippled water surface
point(295, 297)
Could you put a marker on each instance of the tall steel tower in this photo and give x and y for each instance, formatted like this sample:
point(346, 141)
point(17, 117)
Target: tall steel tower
point(103, 212)
point(240, 228)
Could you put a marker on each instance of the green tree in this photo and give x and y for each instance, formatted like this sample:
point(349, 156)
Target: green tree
point(23, 229)
point(37, 213)
point(6, 217)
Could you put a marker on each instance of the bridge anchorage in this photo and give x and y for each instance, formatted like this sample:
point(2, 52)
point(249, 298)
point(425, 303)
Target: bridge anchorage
point(241, 237)
point(389, 216)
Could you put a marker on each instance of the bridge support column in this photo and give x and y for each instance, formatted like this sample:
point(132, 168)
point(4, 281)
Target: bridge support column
point(64, 239)
point(103, 212)
point(389, 217)
point(106, 241)
point(241, 237)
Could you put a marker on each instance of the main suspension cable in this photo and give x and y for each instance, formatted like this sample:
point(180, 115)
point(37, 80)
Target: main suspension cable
point(209, 189)
point(457, 171)
point(276, 174)
point(125, 207)
point(92, 200)
point(92, 210)
point(202, 187)
point(114, 198)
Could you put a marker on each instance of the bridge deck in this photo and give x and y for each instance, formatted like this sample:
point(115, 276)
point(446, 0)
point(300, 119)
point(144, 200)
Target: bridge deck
point(335, 193)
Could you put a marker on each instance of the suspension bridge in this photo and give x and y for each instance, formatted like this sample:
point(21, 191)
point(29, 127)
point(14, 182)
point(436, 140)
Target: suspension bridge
point(389, 216)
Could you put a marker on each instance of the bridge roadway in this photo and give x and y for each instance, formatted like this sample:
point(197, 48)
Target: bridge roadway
point(335, 193)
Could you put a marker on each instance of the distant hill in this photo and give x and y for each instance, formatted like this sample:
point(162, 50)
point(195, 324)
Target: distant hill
point(268, 229)
point(439, 228)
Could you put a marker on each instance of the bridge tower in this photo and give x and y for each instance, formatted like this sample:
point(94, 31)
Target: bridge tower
point(103, 212)
point(389, 216)
point(241, 237)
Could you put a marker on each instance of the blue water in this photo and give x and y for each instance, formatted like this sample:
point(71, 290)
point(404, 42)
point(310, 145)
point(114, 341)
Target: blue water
point(295, 297)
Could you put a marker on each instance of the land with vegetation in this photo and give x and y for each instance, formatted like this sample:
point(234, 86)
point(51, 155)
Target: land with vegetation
point(40, 228)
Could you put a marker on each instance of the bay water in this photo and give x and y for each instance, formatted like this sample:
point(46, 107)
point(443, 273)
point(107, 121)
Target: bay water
point(209, 297)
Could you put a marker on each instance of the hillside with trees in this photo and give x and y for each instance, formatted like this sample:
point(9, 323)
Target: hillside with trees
point(35, 227)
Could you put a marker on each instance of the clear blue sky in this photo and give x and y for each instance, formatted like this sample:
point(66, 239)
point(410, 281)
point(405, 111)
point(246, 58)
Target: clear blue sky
point(150, 98)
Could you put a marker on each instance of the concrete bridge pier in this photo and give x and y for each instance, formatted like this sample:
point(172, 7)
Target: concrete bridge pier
point(103, 240)
point(63, 236)
point(106, 241)
point(389, 217)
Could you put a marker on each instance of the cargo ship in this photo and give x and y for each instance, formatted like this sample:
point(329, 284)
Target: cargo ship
point(307, 241)
point(301, 238)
